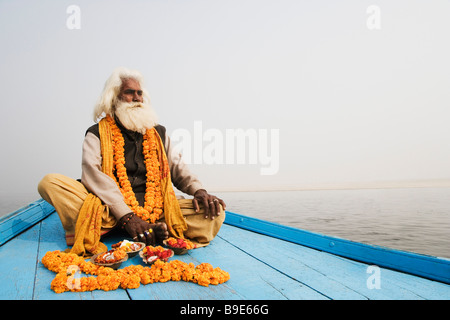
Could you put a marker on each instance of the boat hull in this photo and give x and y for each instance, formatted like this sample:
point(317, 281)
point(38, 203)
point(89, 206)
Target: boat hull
point(266, 261)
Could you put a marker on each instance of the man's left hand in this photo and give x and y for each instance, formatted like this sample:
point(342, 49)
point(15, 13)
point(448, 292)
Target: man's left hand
point(211, 204)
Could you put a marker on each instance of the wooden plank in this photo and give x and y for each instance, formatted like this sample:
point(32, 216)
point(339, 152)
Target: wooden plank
point(52, 238)
point(252, 278)
point(170, 290)
point(331, 275)
point(22, 219)
point(417, 264)
point(257, 272)
point(18, 265)
point(297, 262)
point(249, 278)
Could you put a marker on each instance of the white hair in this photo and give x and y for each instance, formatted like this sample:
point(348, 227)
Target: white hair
point(108, 99)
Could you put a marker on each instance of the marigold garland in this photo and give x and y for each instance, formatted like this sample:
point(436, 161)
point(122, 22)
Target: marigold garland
point(153, 205)
point(67, 264)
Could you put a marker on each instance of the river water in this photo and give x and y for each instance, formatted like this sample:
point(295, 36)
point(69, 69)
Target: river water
point(411, 219)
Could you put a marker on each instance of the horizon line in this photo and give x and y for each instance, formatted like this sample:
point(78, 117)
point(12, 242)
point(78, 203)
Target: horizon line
point(437, 183)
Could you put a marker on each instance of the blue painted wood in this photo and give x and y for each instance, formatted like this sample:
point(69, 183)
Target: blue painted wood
point(268, 264)
point(252, 278)
point(22, 219)
point(170, 290)
point(18, 265)
point(417, 264)
point(52, 238)
point(249, 277)
point(332, 276)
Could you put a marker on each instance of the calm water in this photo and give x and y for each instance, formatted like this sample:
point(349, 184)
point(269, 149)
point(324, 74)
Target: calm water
point(412, 219)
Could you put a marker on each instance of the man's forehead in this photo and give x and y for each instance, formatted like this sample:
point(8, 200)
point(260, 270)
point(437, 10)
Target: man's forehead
point(130, 84)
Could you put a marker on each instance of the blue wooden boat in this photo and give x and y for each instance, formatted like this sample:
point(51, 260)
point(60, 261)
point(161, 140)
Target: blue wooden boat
point(266, 261)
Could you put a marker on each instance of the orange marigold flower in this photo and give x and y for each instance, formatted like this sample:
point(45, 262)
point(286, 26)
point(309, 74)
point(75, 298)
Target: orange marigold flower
point(127, 278)
point(149, 212)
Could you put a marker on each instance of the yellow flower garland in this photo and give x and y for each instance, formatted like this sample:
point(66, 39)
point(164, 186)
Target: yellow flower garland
point(67, 264)
point(153, 206)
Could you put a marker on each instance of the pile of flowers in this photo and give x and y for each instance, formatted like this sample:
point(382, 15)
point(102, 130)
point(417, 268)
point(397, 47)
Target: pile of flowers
point(66, 265)
point(126, 245)
point(180, 243)
point(151, 253)
point(111, 256)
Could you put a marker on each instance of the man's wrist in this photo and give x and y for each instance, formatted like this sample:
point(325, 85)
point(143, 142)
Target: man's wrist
point(125, 219)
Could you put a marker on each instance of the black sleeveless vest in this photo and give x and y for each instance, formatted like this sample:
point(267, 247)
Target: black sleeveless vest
point(134, 159)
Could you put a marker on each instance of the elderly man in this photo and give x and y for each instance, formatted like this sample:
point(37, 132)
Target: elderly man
point(128, 167)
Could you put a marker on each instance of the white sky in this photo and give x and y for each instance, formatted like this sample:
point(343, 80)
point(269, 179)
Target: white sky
point(352, 105)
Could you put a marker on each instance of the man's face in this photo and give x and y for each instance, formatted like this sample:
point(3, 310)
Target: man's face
point(131, 110)
point(131, 91)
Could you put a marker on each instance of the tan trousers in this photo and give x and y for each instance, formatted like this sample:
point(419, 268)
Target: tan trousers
point(67, 196)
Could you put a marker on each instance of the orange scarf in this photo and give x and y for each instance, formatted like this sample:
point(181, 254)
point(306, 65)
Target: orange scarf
point(88, 227)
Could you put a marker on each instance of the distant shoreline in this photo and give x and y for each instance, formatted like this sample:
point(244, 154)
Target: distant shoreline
point(442, 183)
point(350, 186)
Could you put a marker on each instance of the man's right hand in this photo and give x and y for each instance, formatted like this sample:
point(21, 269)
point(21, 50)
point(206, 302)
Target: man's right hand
point(142, 231)
point(138, 229)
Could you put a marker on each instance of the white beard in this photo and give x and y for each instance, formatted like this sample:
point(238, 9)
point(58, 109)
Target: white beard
point(135, 116)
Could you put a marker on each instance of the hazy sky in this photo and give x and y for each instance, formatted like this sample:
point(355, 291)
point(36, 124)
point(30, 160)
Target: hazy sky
point(351, 102)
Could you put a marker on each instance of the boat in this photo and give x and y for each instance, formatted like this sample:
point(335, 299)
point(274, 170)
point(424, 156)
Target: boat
point(265, 260)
